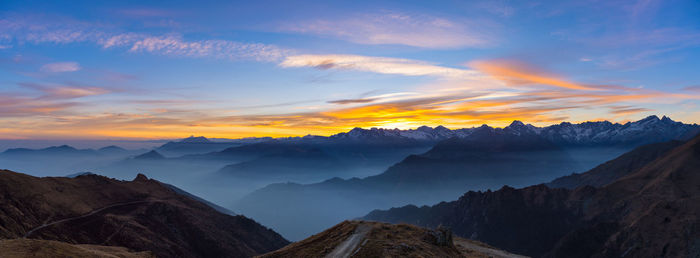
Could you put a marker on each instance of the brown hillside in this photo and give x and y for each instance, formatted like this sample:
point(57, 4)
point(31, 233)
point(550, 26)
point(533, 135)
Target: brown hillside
point(20, 248)
point(142, 215)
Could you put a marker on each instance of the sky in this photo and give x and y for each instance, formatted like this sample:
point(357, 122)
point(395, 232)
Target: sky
point(230, 69)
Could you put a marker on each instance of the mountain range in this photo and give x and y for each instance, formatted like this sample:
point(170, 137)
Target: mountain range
point(646, 206)
point(329, 179)
point(481, 158)
point(642, 201)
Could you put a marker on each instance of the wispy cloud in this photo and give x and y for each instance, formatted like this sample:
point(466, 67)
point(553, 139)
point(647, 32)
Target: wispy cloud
point(61, 67)
point(383, 65)
point(27, 30)
point(62, 92)
point(351, 101)
point(401, 29)
point(223, 49)
point(693, 88)
point(627, 110)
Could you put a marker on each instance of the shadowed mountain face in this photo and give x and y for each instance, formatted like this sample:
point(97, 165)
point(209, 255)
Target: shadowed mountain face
point(650, 211)
point(142, 215)
point(612, 170)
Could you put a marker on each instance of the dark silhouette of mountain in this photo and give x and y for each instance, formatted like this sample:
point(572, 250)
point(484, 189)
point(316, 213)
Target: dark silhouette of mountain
point(74, 175)
point(306, 161)
point(194, 145)
point(650, 211)
point(141, 215)
point(151, 155)
point(290, 164)
point(193, 139)
point(528, 221)
point(112, 149)
point(614, 169)
point(63, 150)
point(372, 239)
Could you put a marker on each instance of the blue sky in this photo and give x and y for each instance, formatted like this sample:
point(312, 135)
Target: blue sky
point(149, 69)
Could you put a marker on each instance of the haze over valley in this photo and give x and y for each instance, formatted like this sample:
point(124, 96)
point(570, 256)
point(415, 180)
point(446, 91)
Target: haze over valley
point(379, 128)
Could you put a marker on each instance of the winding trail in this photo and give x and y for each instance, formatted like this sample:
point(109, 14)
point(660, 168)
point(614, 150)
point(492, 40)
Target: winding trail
point(486, 250)
point(83, 216)
point(345, 249)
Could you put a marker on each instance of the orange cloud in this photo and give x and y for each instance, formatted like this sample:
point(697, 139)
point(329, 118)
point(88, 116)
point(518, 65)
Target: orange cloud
point(516, 73)
point(51, 114)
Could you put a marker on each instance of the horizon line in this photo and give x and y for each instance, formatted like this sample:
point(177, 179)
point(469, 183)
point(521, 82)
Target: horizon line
point(144, 140)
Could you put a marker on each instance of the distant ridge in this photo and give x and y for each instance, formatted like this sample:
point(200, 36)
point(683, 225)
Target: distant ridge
point(648, 130)
point(198, 139)
point(151, 155)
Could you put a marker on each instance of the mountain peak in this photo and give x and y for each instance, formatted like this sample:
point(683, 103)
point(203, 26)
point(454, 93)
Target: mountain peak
point(424, 128)
point(112, 148)
point(650, 118)
point(62, 147)
point(197, 139)
point(516, 123)
point(150, 155)
point(140, 178)
point(666, 119)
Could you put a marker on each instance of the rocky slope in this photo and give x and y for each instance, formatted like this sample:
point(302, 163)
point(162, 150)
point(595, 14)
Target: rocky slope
point(650, 211)
point(142, 215)
point(372, 239)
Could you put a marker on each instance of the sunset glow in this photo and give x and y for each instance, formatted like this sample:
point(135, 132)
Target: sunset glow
point(153, 71)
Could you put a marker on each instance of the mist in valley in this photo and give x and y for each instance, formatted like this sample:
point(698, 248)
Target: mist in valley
point(298, 189)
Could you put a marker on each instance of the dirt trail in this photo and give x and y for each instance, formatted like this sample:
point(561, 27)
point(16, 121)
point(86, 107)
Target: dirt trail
point(347, 247)
point(82, 216)
point(495, 253)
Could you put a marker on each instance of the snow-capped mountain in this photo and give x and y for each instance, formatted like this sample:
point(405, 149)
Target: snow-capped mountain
point(647, 130)
point(423, 133)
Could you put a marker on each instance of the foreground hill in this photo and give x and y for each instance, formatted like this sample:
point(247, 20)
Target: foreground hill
point(651, 211)
point(19, 248)
point(373, 239)
point(142, 215)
